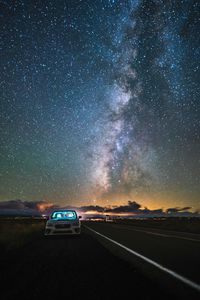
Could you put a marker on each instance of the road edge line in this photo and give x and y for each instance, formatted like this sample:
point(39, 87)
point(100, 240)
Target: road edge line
point(155, 264)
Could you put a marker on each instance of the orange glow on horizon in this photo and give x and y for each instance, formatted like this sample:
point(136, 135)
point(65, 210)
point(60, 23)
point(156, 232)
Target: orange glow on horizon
point(93, 212)
point(44, 206)
point(152, 200)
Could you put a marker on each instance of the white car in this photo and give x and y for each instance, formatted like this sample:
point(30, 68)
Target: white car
point(62, 223)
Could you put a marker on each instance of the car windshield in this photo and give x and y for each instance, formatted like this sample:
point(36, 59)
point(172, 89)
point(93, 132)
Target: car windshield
point(64, 215)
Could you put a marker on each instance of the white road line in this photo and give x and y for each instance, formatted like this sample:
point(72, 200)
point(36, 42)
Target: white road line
point(155, 264)
point(159, 234)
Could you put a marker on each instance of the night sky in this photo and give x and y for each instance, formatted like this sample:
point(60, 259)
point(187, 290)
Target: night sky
point(100, 102)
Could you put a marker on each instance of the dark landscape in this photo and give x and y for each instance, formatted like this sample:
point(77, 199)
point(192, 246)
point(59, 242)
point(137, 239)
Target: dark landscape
point(73, 266)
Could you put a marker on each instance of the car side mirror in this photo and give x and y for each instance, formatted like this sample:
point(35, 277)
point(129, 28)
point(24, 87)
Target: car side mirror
point(80, 217)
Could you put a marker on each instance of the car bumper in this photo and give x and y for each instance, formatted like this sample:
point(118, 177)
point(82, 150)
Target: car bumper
point(63, 231)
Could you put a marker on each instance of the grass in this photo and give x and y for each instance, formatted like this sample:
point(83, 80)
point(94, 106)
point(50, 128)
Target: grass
point(15, 233)
point(190, 225)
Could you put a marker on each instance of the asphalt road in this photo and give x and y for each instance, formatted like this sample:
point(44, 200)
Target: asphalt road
point(171, 258)
point(85, 266)
point(71, 268)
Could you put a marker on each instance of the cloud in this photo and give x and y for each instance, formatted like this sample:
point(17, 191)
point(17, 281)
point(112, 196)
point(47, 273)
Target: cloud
point(177, 209)
point(19, 207)
point(12, 204)
point(132, 206)
point(92, 208)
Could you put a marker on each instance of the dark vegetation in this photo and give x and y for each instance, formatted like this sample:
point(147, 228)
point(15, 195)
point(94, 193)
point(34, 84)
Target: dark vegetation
point(190, 225)
point(16, 232)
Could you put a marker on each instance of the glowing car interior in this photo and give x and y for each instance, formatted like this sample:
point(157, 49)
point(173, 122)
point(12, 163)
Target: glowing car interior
point(64, 215)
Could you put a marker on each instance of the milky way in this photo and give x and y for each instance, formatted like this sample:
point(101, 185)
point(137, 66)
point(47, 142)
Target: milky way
point(100, 101)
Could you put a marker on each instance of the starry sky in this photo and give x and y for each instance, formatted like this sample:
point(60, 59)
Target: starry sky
point(100, 102)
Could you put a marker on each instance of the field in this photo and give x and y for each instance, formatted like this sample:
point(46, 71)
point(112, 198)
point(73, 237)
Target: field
point(15, 233)
point(191, 225)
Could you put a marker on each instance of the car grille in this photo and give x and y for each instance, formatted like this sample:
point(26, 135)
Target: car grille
point(62, 231)
point(58, 226)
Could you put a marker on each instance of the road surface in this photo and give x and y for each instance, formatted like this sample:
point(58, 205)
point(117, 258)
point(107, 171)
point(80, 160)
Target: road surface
point(70, 267)
point(81, 266)
point(173, 257)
